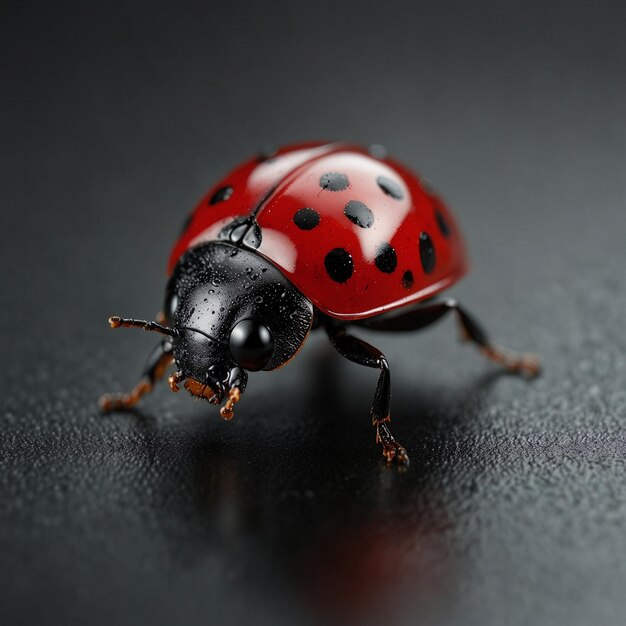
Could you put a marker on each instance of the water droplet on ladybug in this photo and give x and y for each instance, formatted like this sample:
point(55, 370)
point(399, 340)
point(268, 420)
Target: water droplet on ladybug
point(259, 300)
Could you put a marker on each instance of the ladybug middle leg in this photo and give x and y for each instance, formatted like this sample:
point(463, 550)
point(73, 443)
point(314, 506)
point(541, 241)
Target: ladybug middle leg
point(518, 363)
point(358, 351)
point(156, 365)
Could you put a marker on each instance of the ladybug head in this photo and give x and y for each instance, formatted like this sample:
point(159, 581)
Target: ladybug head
point(231, 312)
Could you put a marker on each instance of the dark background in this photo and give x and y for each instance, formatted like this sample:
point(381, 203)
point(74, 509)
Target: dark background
point(115, 119)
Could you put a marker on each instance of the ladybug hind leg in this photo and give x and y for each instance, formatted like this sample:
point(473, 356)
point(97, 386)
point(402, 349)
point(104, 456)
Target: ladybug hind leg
point(519, 363)
point(156, 366)
point(362, 353)
point(522, 363)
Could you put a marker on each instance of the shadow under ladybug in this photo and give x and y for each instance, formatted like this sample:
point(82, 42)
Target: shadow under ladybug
point(249, 280)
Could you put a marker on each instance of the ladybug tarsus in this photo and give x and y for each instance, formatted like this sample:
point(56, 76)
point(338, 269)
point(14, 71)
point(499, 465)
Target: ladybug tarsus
point(525, 363)
point(392, 450)
point(124, 401)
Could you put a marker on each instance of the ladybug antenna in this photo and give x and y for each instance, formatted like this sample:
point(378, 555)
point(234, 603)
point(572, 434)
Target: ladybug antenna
point(117, 322)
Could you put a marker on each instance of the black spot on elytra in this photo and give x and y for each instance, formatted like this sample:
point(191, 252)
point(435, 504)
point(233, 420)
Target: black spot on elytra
point(223, 193)
point(427, 253)
point(339, 265)
point(386, 259)
point(334, 181)
point(390, 187)
point(407, 279)
point(359, 214)
point(306, 218)
point(444, 227)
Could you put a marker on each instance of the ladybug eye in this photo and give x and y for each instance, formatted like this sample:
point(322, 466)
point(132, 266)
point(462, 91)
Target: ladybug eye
point(251, 344)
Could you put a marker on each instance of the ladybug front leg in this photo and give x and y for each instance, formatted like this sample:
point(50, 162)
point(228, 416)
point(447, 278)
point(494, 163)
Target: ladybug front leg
point(156, 365)
point(363, 353)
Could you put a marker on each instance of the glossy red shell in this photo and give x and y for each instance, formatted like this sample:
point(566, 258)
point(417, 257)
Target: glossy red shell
point(276, 188)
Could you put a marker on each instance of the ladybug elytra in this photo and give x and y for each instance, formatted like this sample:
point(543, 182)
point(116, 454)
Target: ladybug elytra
point(311, 236)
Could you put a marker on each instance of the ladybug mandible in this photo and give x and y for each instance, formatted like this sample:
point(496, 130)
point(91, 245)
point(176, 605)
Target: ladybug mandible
point(327, 236)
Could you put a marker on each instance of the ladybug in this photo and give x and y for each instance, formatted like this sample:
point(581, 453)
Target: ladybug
point(327, 236)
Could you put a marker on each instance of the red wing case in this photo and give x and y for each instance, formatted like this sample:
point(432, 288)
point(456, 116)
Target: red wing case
point(358, 235)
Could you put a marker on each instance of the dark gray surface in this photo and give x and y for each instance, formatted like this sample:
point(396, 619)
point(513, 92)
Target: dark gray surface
point(513, 512)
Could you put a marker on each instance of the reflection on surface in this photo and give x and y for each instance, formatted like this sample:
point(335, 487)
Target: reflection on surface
point(372, 565)
point(354, 542)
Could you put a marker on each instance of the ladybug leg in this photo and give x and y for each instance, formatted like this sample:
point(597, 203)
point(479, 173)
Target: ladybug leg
point(363, 353)
point(519, 363)
point(156, 365)
point(522, 363)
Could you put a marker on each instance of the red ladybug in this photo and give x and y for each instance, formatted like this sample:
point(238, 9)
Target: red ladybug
point(327, 236)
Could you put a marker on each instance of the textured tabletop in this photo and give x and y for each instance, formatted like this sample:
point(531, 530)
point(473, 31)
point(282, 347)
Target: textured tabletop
point(513, 511)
